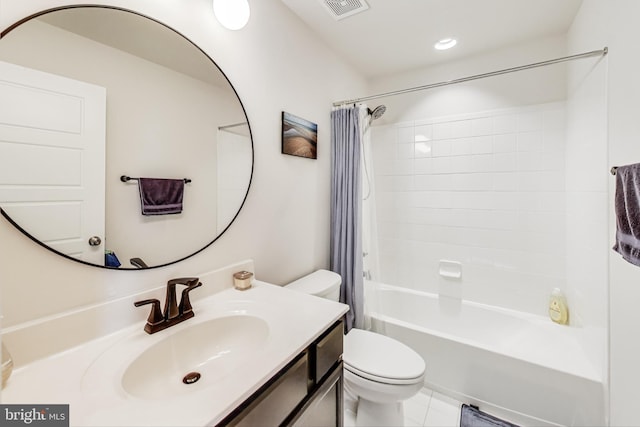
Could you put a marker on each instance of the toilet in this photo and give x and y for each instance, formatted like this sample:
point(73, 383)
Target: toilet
point(378, 370)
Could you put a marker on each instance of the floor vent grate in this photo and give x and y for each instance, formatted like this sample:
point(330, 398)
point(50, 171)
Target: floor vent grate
point(340, 9)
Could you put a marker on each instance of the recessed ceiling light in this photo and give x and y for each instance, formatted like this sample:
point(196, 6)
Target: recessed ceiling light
point(445, 44)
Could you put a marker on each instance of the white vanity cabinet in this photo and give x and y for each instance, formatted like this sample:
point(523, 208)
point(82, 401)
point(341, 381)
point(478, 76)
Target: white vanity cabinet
point(306, 392)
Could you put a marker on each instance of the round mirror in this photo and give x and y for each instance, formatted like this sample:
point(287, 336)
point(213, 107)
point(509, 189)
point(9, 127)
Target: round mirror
point(95, 98)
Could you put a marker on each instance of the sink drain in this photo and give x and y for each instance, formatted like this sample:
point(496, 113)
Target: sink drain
point(191, 377)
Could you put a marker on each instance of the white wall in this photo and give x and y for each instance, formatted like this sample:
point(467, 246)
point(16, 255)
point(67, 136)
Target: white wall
point(275, 64)
point(541, 85)
point(587, 179)
point(490, 190)
point(486, 190)
point(614, 24)
point(233, 173)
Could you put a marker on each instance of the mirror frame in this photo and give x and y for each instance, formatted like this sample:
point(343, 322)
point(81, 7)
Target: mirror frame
point(12, 27)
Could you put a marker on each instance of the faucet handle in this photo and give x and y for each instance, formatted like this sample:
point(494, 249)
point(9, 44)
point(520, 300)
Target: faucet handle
point(171, 309)
point(155, 316)
point(185, 303)
point(187, 281)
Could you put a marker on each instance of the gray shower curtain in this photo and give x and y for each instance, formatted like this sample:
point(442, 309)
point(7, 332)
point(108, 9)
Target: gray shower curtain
point(346, 207)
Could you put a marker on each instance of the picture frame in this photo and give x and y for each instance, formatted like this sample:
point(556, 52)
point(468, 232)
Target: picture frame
point(299, 136)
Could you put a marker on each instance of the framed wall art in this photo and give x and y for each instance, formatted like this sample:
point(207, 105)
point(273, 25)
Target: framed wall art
point(299, 136)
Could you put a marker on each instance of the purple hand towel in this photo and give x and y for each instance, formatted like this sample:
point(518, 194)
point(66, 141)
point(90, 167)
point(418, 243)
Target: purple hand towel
point(161, 196)
point(627, 206)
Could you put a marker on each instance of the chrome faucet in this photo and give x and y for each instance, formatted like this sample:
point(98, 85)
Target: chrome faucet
point(174, 313)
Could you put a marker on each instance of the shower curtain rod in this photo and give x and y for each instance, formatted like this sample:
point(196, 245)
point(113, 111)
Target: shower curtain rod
point(601, 52)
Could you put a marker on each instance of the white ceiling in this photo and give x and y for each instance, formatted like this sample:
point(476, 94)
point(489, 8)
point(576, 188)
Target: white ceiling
point(390, 37)
point(138, 36)
point(393, 36)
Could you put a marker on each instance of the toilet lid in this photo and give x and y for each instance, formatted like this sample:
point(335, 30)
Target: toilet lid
point(381, 358)
point(318, 283)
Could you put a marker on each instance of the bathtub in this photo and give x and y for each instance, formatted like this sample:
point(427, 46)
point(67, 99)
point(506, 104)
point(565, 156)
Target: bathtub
point(519, 366)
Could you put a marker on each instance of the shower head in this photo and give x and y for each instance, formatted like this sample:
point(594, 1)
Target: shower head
point(377, 112)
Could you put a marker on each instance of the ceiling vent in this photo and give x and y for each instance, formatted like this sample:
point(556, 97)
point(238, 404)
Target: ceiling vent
point(340, 9)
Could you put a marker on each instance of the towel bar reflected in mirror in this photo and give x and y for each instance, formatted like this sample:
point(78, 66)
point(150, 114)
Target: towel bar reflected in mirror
point(125, 178)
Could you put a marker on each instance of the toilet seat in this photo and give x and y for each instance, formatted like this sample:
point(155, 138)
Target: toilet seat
point(381, 359)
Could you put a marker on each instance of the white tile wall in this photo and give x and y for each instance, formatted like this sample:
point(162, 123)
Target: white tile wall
point(485, 189)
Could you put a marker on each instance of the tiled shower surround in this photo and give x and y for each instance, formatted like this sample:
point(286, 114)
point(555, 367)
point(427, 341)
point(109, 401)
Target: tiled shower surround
point(484, 189)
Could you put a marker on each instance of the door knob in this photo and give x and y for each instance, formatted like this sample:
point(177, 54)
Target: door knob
point(95, 241)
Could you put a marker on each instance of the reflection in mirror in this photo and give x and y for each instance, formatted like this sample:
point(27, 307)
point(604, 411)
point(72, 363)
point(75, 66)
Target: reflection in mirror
point(96, 93)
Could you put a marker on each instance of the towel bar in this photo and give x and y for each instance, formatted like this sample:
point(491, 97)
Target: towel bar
point(614, 169)
point(125, 178)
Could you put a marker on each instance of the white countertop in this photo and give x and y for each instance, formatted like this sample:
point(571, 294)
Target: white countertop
point(88, 377)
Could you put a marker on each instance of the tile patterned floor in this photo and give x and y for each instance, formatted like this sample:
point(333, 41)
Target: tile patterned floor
point(426, 409)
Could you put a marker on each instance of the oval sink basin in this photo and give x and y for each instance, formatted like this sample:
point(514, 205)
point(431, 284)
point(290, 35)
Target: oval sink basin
point(200, 355)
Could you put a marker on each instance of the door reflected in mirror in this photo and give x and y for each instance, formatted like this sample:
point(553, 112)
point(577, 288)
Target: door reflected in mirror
point(91, 94)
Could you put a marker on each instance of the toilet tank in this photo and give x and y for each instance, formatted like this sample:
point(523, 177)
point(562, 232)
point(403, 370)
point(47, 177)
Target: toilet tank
point(321, 283)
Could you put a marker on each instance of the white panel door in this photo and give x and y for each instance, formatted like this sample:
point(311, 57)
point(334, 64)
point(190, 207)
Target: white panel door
point(52, 159)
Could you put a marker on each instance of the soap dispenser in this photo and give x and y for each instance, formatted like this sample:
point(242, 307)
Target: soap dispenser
point(558, 310)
